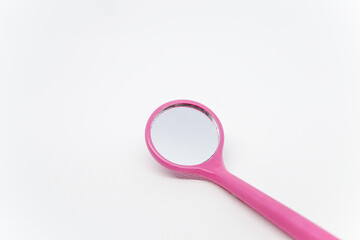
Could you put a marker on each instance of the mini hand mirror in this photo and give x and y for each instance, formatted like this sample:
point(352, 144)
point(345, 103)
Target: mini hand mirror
point(187, 137)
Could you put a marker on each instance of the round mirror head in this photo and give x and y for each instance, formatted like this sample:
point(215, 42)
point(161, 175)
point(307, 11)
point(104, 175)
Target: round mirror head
point(185, 134)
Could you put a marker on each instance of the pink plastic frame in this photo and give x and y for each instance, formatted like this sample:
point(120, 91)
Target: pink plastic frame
point(214, 170)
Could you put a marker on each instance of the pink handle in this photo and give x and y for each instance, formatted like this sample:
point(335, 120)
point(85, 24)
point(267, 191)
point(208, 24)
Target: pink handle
point(286, 219)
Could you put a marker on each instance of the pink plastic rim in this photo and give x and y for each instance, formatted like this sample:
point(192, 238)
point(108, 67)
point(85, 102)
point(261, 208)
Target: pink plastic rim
point(215, 159)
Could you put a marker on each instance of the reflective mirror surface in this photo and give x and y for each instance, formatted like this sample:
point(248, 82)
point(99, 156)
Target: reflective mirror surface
point(185, 135)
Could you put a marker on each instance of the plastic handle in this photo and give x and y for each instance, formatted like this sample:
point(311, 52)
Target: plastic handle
point(286, 219)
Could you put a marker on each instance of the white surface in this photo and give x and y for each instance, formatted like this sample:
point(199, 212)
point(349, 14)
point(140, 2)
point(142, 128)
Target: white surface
point(78, 80)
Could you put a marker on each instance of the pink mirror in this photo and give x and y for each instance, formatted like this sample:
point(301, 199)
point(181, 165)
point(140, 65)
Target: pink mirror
point(187, 137)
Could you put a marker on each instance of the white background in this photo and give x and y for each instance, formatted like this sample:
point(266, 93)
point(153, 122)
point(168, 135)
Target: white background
point(78, 80)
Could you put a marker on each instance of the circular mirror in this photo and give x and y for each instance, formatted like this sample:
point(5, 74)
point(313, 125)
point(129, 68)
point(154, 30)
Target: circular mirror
point(185, 134)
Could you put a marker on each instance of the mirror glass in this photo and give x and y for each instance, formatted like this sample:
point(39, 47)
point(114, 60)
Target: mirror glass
point(185, 134)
